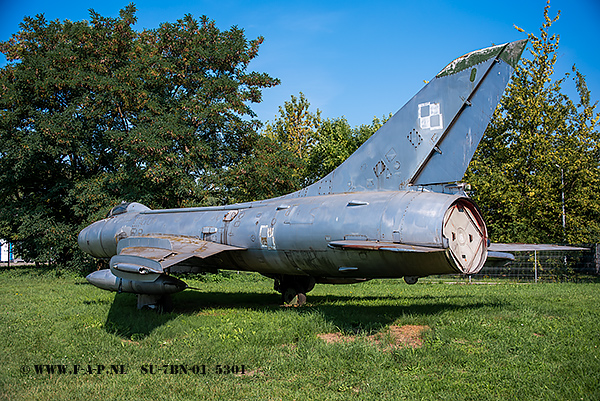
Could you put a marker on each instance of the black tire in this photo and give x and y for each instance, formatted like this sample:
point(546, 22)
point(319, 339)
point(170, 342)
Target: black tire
point(292, 296)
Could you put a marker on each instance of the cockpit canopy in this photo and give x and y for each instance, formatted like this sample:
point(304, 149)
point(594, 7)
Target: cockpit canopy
point(126, 207)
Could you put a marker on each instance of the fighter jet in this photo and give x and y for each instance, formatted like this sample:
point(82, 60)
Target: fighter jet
point(394, 208)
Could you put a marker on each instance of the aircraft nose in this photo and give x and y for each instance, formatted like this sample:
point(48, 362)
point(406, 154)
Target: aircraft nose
point(81, 240)
point(90, 240)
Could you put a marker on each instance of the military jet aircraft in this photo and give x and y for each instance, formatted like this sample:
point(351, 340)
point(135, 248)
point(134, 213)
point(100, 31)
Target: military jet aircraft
point(393, 209)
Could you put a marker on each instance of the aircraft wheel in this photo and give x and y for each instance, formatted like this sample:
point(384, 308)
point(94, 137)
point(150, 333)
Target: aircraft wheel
point(293, 289)
point(166, 304)
point(301, 298)
point(411, 279)
point(159, 303)
point(292, 297)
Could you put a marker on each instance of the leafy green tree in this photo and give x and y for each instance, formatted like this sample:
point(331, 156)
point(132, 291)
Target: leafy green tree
point(276, 165)
point(296, 126)
point(540, 155)
point(93, 113)
point(334, 142)
point(307, 148)
point(294, 130)
point(270, 170)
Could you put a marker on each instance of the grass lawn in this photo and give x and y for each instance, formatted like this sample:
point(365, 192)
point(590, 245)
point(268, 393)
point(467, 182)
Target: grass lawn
point(232, 340)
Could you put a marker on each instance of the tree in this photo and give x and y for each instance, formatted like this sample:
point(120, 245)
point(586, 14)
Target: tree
point(297, 149)
point(294, 130)
point(93, 113)
point(334, 142)
point(539, 159)
point(296, 126)
point(270, 170)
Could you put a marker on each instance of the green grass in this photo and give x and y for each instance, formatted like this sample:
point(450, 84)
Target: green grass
point(484, 342)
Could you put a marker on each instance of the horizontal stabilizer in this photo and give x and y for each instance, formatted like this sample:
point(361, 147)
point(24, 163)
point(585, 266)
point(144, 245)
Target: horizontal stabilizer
point(500, 256)
point(382, 246)
point(498, 247)
point(498, 259)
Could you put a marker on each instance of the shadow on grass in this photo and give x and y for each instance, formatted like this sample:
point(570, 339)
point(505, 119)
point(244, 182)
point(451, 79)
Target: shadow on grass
point(125, 320)
point(348, 313)
point(371, 314)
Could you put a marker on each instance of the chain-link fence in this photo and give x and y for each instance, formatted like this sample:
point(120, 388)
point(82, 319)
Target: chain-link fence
point(545, 266)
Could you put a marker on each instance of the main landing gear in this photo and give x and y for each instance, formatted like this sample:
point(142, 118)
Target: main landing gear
point(162, 303)
point(293, 289)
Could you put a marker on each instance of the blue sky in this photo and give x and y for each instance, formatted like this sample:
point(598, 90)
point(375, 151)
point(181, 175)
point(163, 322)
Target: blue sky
point(357, 59)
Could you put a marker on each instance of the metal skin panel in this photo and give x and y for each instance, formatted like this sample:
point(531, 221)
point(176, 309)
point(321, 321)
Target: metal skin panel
point(102, 236)
point(302, 247)
point(144, 242)
point(392, 209)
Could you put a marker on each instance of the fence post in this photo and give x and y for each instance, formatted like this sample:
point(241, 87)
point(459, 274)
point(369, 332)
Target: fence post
point(597, 258)
point(535, 266)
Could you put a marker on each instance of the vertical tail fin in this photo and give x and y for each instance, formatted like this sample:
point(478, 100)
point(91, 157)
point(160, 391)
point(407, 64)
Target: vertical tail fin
point(432, 139)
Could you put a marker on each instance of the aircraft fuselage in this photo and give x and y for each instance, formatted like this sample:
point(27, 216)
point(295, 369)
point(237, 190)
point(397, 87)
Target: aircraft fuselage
point(305, 236)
